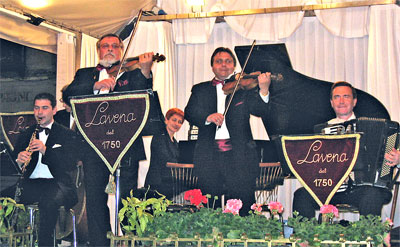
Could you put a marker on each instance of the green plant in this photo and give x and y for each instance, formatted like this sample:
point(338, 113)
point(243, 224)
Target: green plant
point(13, 216)
point(206, 223)
point(136, 214)
point(309, 230)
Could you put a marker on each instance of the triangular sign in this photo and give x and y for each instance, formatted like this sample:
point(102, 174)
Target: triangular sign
point(111, 123)
point(321, 162)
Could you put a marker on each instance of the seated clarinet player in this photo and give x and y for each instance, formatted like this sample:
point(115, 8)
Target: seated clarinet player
point(164, 148)
point(45, 153)
point(367, 198)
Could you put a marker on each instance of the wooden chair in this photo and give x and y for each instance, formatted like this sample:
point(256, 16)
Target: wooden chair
point(266, 184)
point(182, 179)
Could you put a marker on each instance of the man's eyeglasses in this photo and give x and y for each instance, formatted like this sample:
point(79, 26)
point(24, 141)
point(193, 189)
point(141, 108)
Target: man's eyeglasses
point(107, 46)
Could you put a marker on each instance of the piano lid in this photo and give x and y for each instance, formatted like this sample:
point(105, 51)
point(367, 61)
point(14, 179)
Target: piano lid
point(298, 102)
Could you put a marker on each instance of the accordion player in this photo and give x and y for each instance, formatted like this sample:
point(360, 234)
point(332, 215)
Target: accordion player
point(378, 137)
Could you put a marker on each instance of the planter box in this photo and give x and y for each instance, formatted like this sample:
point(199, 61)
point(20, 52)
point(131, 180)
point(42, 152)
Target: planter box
point(13, 239)
point(131, 240)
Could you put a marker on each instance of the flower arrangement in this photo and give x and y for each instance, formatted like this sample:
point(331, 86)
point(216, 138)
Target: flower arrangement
point(275, 208)
point(329, 212)
point(312, 232)
point(233, 206)
point(195, 197)
point(209, 223)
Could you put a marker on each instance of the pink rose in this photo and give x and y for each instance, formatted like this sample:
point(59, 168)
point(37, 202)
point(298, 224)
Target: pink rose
point(330, 209)
point(275, 207)
point(233, 206)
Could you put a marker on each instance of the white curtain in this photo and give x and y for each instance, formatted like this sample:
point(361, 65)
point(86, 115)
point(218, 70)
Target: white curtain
point(383, 74)
point(89, 56)
point(65, 63)
point(344, 22)
point(264, 26)
point(156, 37)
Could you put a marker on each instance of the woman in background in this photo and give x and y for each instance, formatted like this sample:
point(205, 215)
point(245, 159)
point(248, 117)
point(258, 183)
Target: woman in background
point(164, 148)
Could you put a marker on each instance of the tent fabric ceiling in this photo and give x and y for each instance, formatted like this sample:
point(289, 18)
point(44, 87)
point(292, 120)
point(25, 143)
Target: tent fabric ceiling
point(35, 37)
point(93, 17)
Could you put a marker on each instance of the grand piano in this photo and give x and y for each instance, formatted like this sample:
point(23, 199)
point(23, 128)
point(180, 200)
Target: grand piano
point(299, 102)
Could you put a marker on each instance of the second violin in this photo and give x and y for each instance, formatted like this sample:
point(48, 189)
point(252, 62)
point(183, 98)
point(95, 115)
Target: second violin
point(247, 82)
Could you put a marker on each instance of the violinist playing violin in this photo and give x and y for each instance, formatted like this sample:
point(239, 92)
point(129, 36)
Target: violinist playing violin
point(225, 155)
point(98, 80)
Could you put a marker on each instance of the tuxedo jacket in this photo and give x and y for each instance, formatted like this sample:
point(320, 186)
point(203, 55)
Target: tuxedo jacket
point(129, 81)
point(203, 102)
point(61, 147)
point(63, 117)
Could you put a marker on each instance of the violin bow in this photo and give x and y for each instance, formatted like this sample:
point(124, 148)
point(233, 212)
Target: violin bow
point(130, 41)
point(240, 78)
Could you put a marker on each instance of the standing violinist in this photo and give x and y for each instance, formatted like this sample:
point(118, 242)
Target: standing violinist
point(99, 80)
point(225, 155)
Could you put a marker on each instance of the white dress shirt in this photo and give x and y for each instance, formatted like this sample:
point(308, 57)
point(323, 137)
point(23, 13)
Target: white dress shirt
point(223, 133)
point(42, 170)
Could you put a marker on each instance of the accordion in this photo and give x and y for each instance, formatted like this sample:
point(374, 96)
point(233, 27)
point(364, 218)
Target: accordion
point(378, 136)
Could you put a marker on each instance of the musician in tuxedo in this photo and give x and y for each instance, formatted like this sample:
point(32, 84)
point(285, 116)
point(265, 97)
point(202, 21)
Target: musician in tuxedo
point(225, 155)
point(97, 80)
point(164, 148)
point(368, 199)
point(64, 117)
point(47, 177)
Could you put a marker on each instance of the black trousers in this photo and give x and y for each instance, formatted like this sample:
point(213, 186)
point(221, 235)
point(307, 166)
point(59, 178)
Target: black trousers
point(48, 195)
point(368, 200)
point(96, 176)
point(222, 174)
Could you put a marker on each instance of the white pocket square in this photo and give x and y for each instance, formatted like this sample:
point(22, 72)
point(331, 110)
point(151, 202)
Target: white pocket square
point(56, 146)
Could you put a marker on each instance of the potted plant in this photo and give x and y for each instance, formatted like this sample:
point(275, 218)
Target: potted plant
point(14, 222)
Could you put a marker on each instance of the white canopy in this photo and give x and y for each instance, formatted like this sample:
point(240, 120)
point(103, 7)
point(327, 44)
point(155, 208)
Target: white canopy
point(93, 17)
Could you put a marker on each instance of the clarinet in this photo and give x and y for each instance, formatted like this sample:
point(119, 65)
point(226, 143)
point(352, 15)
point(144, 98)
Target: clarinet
point(18, 190)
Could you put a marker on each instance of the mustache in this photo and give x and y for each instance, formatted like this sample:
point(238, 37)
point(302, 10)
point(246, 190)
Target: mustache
point(110, 53)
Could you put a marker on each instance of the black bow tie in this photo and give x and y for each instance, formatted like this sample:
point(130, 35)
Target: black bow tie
point(46, 130)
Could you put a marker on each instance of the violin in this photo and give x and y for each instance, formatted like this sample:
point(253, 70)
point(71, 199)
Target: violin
point(247, 82)
point(130, 64)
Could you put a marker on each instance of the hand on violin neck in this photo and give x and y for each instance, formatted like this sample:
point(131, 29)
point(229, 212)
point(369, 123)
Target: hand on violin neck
point(107, 84)
point(145, 63)
point(264, 81)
